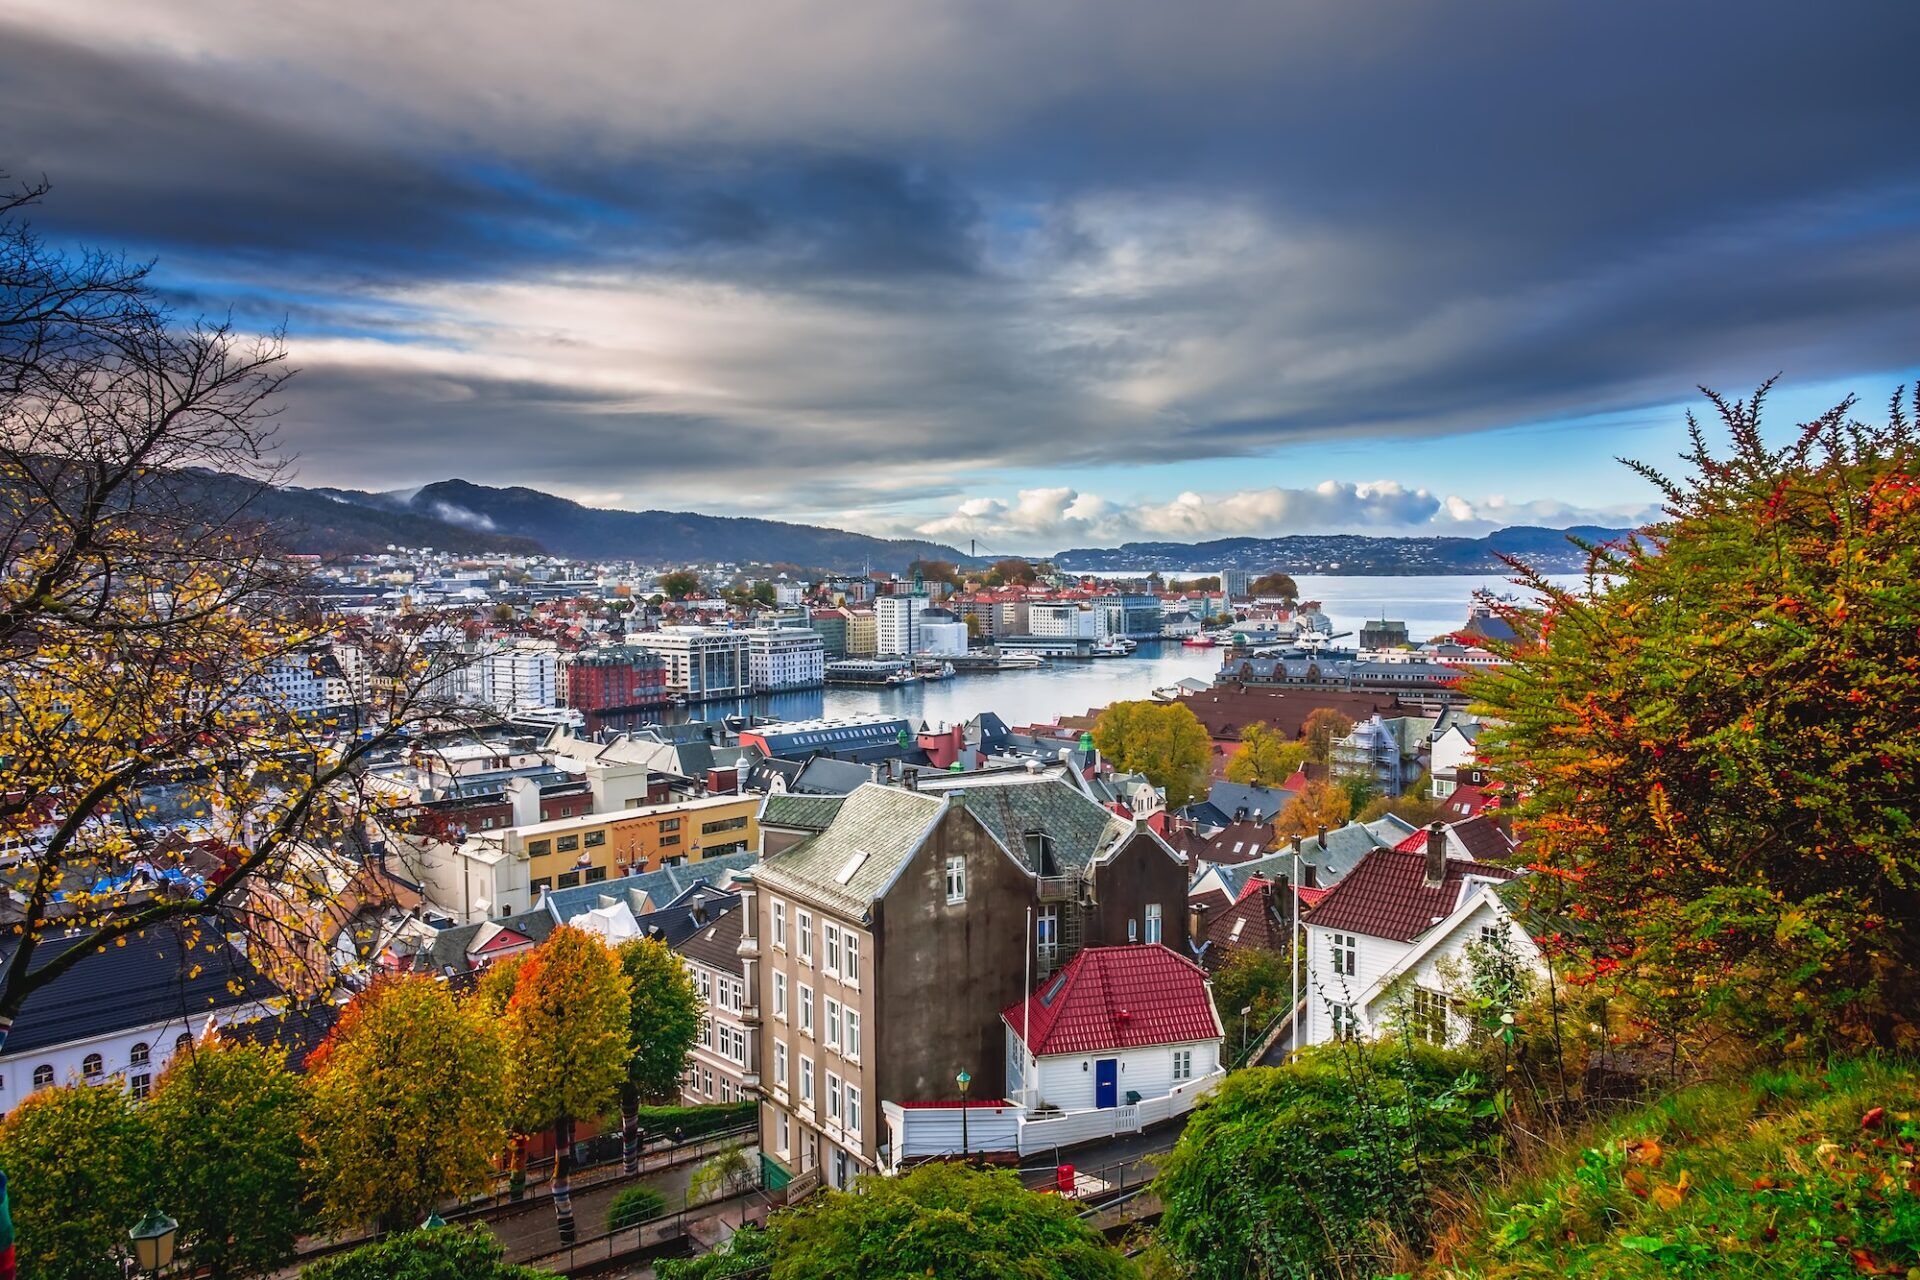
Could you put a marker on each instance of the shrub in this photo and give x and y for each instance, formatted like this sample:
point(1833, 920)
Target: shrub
point(633, 1206)
point(438, 1253)
point(1312, 1168)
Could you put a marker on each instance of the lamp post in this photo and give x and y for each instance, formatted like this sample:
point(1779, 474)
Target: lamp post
point(153, 1241)
point(963, 1080)
point(1245, 1009)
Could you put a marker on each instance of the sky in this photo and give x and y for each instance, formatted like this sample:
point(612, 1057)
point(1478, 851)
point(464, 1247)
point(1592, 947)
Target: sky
point(1035, 274)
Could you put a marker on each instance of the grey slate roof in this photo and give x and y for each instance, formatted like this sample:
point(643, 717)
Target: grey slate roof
point(643, 892)
point(799, 812)
point(716, 944)
point(826, 776)
point(1228, 797)
point(151, 979)
point(886, 824)
point(1345, 847)
point(1081, 831)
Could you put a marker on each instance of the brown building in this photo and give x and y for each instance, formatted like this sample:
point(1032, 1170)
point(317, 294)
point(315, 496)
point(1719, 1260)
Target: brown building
point(886, 930)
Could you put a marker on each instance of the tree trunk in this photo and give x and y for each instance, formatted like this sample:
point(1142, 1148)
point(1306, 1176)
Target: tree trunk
point(517, 1169)
point(629, 1129)
point(563, 1179)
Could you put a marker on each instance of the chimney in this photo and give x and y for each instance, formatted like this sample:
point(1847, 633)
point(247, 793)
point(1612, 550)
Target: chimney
point(1436, 855)
point(1298, 841)
point(1323, 835)
point(1196, 919)
point(523, 798)
point(910, 778)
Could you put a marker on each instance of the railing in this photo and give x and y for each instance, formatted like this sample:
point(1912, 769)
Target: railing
point(1057, 888)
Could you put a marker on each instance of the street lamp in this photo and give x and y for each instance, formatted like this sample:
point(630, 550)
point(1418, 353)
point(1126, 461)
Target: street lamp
point(963, 1080)
point(1244, 1011)
point(153, 1242)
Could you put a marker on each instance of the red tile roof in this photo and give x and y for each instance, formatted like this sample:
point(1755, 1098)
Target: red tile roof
point(1386, 894)
point(1110, 998)
point(1416, 842)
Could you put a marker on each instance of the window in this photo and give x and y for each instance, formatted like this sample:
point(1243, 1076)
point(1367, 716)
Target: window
point(569, 879)
point(783, 1140)
point(567, 844)
point(706, 1082)
point(595, 839)
point(1183, 1064)
point(1046, 934)
point(92, 1066)
point(830, 934)
point(1345, 954)
point(850, 1034)
point(1133, 929)
point(535, 848)
point(853, 1109)
point(140, 1055)
point(667, 842)
point(780, 1064)
point(851, 972)
point(833, 1096)
point(42, 1076)
point(182, 1043)
point(1153, 922)
point(779, 924)
point(806, 1080)
point(566, 811)
point(803, 929)
point(540, 885)
point(1344, 1027)
point(833, 1023)
point(806, 1009)
point(956, 879)
point(724, 824)
point(1427, 1016)
point(669, 824)
point(141, 1083)
point(1491, 935)
point(780, 996)
point(596, 874)
point(706, 1033)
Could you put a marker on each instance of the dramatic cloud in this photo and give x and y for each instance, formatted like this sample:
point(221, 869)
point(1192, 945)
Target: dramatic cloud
point(1045, 520)
point(859, 260)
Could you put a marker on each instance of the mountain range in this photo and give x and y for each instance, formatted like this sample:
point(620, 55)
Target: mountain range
point(460, 516)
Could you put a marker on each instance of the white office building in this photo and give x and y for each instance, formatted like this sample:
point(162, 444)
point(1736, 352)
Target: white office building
point(703, 663)
point(1066, 620)
point(784, 658)
point(522, 677)
point(897, 624)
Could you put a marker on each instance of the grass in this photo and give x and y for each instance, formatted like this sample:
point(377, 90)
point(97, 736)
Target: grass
point(1790, 1173)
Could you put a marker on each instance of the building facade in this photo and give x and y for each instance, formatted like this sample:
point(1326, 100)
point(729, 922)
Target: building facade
point(785, 658)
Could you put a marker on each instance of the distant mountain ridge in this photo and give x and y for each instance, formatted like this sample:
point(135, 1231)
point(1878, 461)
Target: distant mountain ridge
point(1546, 549)
point(471, 514)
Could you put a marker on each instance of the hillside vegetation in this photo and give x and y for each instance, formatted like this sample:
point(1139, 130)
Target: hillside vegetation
point(1792, 1172)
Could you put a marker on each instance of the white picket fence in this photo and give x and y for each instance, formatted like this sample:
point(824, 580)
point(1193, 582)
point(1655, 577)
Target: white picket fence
point(1076, 1127)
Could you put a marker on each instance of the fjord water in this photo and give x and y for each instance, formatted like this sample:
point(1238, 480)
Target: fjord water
point(1428, 605)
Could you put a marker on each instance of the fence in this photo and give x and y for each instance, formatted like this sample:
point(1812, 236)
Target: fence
point(1109, 1122)
point(652, 1237)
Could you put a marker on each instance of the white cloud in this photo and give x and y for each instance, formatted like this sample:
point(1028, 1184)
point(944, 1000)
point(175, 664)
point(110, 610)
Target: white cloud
point(1056, 518)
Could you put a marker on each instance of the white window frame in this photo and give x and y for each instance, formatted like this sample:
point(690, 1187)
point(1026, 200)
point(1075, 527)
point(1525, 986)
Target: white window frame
point(780, 1064)
point(805, 1001)
point(779, 995)
point(850, 1033)
point(783, 1137)
point(1344, 950)
point(779, 924)
point(956, 880)
point(1153, 925)
point(833, 1097)
point(830, 948)
point(806, 1081)
point(850, 971)
point(1182, 1065)
point(851, 1119)
point(803, 935)
point(831, 1030)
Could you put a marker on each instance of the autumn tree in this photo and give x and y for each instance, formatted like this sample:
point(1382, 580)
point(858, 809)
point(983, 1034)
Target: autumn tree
point(1275, 584)
point(1255, 977)
point(681, 584)
point(144, 615)
point(79, 1172)
point(1322, 728)
point(1321, 804)
point(1265, 759)
point(1013, 572)
point(1163, 741)
point(935, 571)
point(1713, 740)
point(567, 1036)
point(226, 1119)
point(408, 1095)
point(663, 1018)
point(1415, 806)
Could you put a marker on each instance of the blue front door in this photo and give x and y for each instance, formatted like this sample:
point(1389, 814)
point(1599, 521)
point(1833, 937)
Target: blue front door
point(1106, 1082)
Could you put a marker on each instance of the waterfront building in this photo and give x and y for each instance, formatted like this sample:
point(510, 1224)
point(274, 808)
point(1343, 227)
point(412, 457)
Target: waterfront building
point(702, 663)
point(613, 678)
point(897, 624)
point(784, 658)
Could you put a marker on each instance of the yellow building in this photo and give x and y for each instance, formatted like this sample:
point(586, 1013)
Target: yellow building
point(863, 636)
point(601, 846)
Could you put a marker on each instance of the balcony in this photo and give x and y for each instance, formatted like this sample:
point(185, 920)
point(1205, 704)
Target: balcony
point(1057, 888)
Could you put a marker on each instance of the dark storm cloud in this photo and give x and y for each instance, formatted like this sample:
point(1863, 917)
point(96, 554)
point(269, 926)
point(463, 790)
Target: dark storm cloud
point(994, 235)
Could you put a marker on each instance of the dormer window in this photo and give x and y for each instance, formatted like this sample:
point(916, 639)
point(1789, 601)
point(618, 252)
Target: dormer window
point(1040, 854)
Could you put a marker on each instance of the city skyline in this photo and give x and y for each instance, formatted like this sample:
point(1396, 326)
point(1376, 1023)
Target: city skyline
point(1062, 278)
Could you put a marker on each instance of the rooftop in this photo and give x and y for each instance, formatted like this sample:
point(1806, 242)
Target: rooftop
point(1108, 998)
